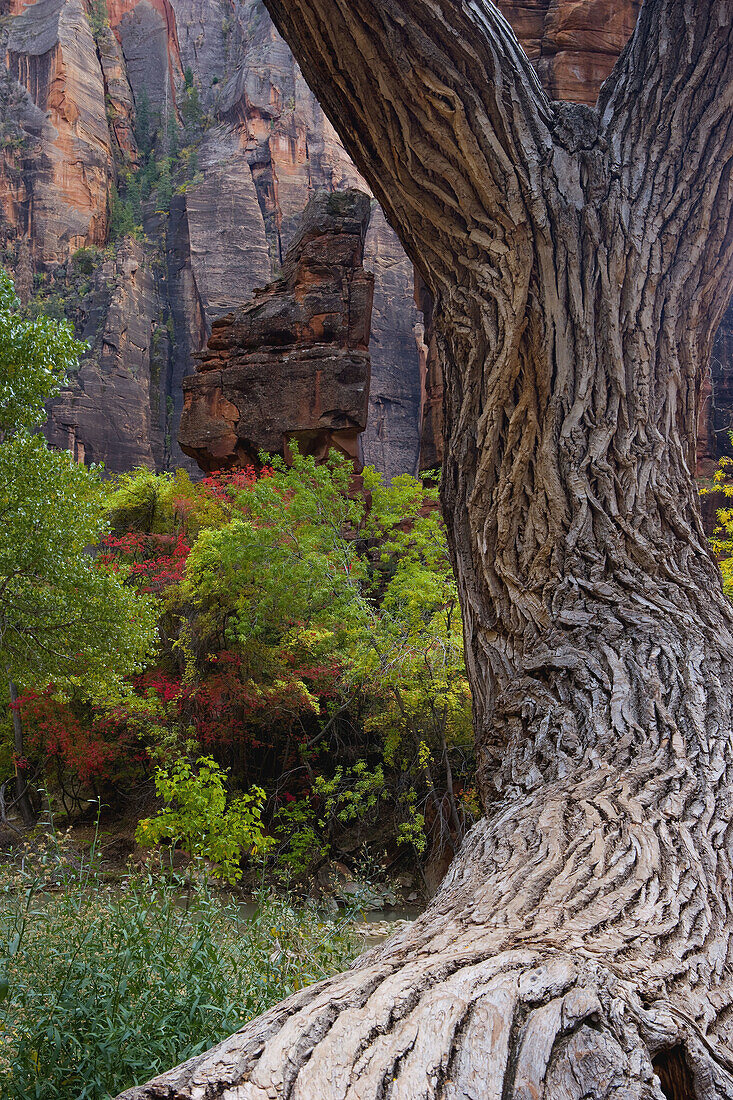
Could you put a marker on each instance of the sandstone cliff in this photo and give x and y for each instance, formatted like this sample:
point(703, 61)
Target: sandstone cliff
point(294, 363)
point(56, 157)
point(116, 403)
point(573, 43)
point(257, 150)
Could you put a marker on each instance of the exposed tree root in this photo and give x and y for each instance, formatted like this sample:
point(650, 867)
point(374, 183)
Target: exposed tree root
point(520, 1025)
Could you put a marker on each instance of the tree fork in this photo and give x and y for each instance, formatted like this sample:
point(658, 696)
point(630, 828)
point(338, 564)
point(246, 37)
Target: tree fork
point(580, 261)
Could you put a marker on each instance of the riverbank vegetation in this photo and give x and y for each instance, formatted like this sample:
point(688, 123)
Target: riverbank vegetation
point(101, 984)
point(310, 647)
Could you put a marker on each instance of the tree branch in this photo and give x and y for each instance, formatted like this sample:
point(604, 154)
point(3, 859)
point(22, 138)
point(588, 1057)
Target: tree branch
point(667, 114)
point(441, 110)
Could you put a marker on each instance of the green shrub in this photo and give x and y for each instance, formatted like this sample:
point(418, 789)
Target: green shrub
point(84, 260)
point(200, 817)
point(104, 986)
point(121, 216)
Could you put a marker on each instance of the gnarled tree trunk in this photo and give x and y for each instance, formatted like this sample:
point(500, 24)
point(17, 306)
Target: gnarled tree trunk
point(580, 262)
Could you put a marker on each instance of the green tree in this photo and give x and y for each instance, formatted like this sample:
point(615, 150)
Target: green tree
point(64, 618)
point(122, 212)
point(311, 633)
point(192, 113)
point(306, 574)
point(165, 185)
point(192, 162)
point(172, 137)
point(408, 654)
point(143, 123)
point(35, 357)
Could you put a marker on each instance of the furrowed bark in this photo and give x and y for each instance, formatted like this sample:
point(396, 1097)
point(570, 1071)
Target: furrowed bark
point(580, 260)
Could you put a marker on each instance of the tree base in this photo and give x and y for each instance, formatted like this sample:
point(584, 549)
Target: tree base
point(519, 1025)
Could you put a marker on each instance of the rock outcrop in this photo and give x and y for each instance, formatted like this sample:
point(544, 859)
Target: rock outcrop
point(260, 149)
point(391, 441)
point(573, 43)
point(118, 95)
point(227, 240)
point(294, 363)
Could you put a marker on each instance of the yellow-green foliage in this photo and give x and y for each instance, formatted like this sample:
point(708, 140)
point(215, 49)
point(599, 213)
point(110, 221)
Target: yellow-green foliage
point(201, 819)
point(313, 632)
point(722, 540)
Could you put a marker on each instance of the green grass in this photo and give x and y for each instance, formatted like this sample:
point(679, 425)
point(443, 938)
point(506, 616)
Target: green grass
point(107, 986)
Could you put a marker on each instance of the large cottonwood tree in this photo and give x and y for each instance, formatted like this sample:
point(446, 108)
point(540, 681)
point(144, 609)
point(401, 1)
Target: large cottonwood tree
point(580, 260)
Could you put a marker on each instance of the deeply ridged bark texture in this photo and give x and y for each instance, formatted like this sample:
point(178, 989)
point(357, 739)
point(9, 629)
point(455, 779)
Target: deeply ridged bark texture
point(580, 260)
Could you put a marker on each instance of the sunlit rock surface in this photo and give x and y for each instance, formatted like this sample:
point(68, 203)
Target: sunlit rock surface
point(56, 163)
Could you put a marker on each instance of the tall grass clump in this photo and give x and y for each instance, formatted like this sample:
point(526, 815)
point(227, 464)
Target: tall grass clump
point(103, 986)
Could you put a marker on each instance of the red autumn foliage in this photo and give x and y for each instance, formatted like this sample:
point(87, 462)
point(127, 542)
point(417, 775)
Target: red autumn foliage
point(93, 747)
point(226, 706)
point(157, 561)
point(225, 486)
point(231, 710)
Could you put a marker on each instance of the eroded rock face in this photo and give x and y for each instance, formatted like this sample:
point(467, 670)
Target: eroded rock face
point(228, 245)
point(114, 410)
point(391, 441)
point(57, 163)
point(147, 33)
point(294, 363)
point(573, 43)
point(118, 94)
point(265, 148)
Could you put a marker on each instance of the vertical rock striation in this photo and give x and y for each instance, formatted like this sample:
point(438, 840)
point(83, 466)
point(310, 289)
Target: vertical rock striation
point(264, 149)
point(113, 411)
point(228, 244)
point(392, 438)
point(573, 44)
point(57, 163)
